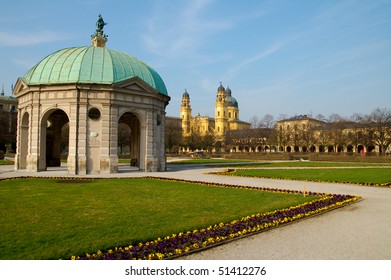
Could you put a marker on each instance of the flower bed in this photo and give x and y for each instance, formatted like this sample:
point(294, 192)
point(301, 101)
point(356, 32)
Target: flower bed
point(191, 241)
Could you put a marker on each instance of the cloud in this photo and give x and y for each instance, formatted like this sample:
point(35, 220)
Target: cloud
point(274, 48)
point(181, 30)
point(8, 39)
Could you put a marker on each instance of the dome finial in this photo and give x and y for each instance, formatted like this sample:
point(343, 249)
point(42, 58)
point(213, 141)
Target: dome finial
point(99, 39)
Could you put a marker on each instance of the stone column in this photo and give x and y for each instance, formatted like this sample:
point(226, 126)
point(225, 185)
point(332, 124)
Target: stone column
point(150, 156)
point(109, 139)
point(35, 126)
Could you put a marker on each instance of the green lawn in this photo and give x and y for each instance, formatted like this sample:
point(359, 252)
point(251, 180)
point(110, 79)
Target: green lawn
point(56, 218)
point(6, 162)
point(210, 161)
point(254, 163)
point(352, 175)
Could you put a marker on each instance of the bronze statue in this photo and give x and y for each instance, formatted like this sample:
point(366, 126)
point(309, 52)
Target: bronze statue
point(100, 24)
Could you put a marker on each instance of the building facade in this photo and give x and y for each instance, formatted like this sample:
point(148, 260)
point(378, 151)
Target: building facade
point(304, 134)
point(226, 116)
point(8, 119)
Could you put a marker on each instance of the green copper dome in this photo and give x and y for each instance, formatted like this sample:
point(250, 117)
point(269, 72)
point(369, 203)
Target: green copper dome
point(92, 65)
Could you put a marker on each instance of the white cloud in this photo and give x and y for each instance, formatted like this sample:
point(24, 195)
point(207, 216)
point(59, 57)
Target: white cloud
point(181, 31)
point(8, 39)
point(274, 48)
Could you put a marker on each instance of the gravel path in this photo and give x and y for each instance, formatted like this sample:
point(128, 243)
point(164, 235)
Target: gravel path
point(358, 231)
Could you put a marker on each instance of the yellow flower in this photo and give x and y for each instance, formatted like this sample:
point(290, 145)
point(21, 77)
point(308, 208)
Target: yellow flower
point(160, 256)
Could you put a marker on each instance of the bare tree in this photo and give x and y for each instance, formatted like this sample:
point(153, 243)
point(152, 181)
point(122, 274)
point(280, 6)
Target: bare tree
point(282, 117)
point(267, 121)
point(381, 128)
point(173, 135)
point(254, 121)
point(335, 118)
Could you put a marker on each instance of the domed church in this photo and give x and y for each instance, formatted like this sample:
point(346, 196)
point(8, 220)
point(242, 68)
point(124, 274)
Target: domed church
point(83, 95)
point(226, 116)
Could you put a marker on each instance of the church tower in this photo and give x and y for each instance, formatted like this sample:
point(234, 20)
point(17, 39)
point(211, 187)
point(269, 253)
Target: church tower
point(221, 123)
point(185, 113)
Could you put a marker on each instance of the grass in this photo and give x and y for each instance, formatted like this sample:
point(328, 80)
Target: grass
point(6, 162)
point(254, 163)
point(210, 161)
point(55, 218)
point(352, 175)
point(315, 164)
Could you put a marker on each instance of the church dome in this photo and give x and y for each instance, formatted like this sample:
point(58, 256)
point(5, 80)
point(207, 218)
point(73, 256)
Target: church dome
point(92, 65)
point(185, 95)
point(221, 88)
point(232, 101)
point(228, 91)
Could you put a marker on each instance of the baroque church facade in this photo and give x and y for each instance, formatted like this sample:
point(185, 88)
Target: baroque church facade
point(226, 116)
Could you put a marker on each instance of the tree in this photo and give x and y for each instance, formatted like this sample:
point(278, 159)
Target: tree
point(8, 130)
point(254, 121)
point(193, 140)
point(267, 121)
point(173, 135)
point(335, 118)
point(381, 128)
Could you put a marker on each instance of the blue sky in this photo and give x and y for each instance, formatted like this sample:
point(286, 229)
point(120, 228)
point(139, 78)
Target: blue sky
point(278, 57)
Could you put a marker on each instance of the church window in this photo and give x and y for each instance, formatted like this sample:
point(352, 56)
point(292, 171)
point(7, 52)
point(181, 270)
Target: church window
point(229, 114)
point(218, 113)
point(218, 128)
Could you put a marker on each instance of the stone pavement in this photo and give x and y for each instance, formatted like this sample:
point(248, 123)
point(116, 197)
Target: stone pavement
point(358, 231)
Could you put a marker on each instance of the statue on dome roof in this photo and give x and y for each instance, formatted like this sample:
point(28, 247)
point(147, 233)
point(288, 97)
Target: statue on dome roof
point(100, 24)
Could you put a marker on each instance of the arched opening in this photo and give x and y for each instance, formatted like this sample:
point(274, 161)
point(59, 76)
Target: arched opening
point(330, 149)
point(360, 149)
point(267, 149)
point(288, 149)
point(349, 149)
point(55, 138)
point(129, 138)
point(24, 140)
point(312, 149)
point(371, 149)
point(340, 149)
point(218, 146)
point(304, 149)
point(321, 149)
